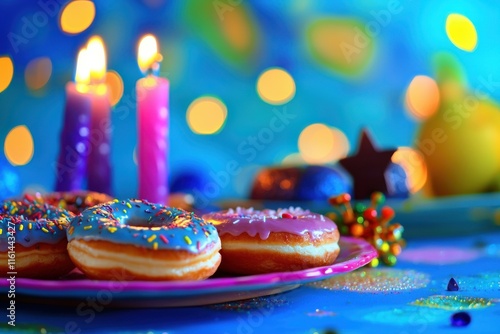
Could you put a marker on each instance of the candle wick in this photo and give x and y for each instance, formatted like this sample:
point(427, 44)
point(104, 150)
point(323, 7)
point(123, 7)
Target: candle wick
point(153, 70)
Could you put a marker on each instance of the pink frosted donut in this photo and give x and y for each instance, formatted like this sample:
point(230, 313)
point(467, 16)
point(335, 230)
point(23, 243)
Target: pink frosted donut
point(255, 242)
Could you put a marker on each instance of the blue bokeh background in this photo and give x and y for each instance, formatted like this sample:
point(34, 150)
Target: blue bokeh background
point(404, 48)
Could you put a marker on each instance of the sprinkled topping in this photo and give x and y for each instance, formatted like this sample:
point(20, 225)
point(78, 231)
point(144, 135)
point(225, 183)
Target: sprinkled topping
point(44, 223)
point(143, 224)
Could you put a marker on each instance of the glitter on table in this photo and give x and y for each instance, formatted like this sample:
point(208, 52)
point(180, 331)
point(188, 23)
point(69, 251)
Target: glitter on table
point(375, 280)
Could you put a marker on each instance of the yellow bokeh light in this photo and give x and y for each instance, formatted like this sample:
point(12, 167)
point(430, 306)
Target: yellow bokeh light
point(206, 115)
point(414, 165)
point(461, 32)
point(37, 73)
point(77, 16)
point(320, 144)
point(422, 97)
point(6, 72)
point(18, 146)
point(115, 84)
point(276, 86)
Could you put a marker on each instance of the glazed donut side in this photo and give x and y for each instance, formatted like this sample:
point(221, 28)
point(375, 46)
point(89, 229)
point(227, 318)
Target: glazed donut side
point(244, 254)
point(256, 242)
point(41, 261)
point(143, 241)
point(101, 259)
point(38, 242)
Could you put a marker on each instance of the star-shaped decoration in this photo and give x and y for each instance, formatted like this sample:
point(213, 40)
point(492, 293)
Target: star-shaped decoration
point(367, 167)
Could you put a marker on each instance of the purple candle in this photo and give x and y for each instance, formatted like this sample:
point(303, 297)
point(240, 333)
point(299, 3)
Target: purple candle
point(99, 166)
point(71, 164)
point(152, 116)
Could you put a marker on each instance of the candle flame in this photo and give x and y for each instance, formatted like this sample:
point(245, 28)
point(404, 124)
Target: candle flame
point(147, 55)
point(82, 75)
point(97, 59)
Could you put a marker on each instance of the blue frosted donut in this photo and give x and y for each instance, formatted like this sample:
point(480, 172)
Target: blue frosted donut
point(139, 228)
point(36, 234)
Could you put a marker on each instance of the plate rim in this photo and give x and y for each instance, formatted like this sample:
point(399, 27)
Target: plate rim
point(366, 252)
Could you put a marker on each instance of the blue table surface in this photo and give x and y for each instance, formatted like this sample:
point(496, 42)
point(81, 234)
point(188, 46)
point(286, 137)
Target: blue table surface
point(311, 309)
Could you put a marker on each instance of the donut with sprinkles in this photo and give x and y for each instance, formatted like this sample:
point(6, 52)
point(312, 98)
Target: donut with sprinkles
point(33, 240)
point(137, 240)
point(289, 239)
point(73, 201)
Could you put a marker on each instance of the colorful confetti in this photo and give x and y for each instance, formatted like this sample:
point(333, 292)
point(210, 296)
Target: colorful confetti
point(375, 280)
point(489, 281)
point(265, 303)
point(453, 302)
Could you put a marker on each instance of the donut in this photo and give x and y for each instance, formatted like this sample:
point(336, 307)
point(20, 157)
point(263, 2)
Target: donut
point(74, 201)
point(33, 240)
point(256, 242)
point(143, 241)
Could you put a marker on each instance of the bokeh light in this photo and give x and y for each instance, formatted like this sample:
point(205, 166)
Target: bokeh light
point(18, 146)
point(341, 44)
point(6, 72)
point(77, 16)
point(276, 86)
point(206, 115)
point(237, 29)
point(461, 32)
point(115, 84)
point(37, 73)
point(319, 144)
point(293, 159)
point(414, 165)
point(422, 97)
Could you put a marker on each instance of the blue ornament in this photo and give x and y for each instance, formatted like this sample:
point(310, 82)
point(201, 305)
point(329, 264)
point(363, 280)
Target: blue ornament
point(189, 180)
point(9, 180)
point(460, 319)
point(319, 183)
point(397, 182)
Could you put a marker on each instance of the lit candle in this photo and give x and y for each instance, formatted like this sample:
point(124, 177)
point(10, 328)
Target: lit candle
point(99, 167)
point(74, 141)
point(152, 117)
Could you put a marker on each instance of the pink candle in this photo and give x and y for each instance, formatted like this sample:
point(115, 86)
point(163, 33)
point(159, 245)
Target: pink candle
point(99, 166)
point(152, 116)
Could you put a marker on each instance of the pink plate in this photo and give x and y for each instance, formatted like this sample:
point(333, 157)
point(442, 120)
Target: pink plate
point(354, 254)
